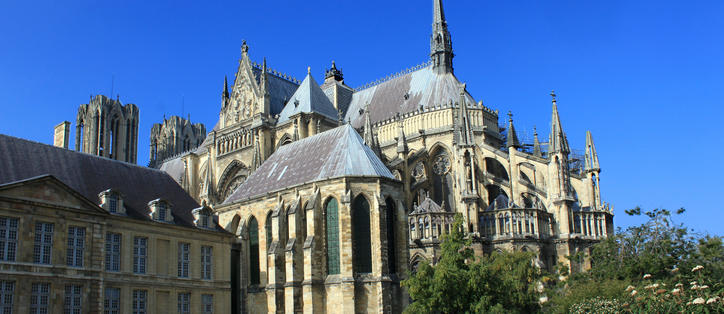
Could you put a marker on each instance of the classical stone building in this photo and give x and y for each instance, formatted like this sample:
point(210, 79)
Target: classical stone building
point(107, 128)
point(84, 234)
point(173, 137)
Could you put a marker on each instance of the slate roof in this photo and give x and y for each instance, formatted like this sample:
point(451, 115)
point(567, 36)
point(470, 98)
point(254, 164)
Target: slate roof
point(335, 153)
point(280, 90)
point(427, 206)
point(423, 87)
point(89, 175)
point(309, 97)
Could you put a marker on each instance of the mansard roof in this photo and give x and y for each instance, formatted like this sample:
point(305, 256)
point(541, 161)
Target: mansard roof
point(309, 97)
point(89, 175)
point(338, 152)
point(405, 93)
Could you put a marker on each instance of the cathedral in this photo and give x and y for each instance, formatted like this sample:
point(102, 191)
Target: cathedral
point(314, 197)
point(335, 192)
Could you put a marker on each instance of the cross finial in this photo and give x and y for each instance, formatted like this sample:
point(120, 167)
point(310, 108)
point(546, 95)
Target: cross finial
point(535, 132)
point(244, 47)
point(553, 94)
point(510, 116)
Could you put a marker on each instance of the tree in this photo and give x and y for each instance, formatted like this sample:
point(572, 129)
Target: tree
point(462, 283)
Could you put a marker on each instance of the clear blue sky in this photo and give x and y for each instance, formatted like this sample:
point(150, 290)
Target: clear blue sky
point(647, 78)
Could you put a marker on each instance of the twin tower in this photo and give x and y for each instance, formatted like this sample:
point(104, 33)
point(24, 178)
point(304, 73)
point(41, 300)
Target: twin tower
point(106, 127)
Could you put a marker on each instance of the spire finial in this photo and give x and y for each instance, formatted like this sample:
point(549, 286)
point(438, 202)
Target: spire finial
point(510, 116)
point(309, 69)
point(553, 95)
point(244, 47)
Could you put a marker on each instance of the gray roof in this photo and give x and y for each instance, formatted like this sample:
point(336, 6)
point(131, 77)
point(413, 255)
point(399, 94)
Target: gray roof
point(309, 97)
point(280, 90)
point(427, 206)
point(89, 175)
point(338, 152)
point(424, 88)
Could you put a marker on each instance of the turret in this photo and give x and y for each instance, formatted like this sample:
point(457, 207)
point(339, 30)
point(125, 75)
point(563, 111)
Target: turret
point(591, 157)
point(441, 52)
point(536, 144)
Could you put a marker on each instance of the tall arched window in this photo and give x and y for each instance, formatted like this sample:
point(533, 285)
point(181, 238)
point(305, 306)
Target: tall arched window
point(253, 252)
point(361, 235)
point(332, 236)
point(268, 229)
point(391, 243)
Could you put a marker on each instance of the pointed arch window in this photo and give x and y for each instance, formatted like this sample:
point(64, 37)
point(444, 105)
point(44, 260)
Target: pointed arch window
point(331, 212)
point(268, 229)
point(361, 235)
point(391, 244)
point(253, 251)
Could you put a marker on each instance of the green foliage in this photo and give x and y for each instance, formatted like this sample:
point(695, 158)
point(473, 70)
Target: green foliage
point(462, 283)
point(663, 265)
point(598, 305)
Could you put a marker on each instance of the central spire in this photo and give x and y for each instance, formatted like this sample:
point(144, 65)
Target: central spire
point(441, 53)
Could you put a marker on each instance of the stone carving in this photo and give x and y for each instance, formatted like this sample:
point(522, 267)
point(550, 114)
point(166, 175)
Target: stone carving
point(441, 164)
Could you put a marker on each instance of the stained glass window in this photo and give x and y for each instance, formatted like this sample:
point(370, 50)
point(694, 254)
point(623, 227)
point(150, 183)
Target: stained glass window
point(332, 233)
point(361, 235)
point(253, 251)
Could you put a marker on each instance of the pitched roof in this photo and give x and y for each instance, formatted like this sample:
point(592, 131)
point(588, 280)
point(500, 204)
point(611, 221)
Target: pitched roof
point(279, 90)
point(428, 206)
point(309, 97)
point(338, 152)
point(89, 175)
point(405, 93)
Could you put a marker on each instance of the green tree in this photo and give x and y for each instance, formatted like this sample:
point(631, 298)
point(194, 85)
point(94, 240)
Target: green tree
point(462, 283)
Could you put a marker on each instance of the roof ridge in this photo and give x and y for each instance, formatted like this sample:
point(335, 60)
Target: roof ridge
point(393, 76)
point(81, 153)
point(276, 73)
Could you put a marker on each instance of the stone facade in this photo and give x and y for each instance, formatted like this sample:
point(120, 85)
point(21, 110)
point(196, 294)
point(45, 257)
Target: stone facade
point(64, 239)
point(173, 137)
point(107, 128)
point(447, 153)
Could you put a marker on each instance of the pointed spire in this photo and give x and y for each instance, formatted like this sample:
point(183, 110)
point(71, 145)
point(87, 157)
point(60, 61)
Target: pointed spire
point(512, 136)
point(441, 53)
point(557, 141)
point(244, 47)
point(256, 159)
point(401, 141)
point(225, 93)
point(367, 136)
point(536, 144)
point(591, 157)
point(464, 126)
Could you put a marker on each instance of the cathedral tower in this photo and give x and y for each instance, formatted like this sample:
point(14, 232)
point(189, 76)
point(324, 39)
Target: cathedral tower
point(107, 128)
point(174, 136)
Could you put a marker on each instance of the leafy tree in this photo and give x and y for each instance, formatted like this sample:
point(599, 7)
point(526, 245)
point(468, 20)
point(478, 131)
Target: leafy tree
point(462, 283)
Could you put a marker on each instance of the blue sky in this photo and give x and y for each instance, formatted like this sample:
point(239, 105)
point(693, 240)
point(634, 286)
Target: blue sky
point(646, 77)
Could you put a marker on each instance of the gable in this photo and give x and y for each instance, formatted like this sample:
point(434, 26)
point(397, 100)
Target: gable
point(48, 190)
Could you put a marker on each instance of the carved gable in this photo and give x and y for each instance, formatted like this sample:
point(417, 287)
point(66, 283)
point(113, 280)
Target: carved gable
point(47, 190)
point(245, 95)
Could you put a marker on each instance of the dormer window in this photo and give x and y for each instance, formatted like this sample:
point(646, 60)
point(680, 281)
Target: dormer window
point(160, 210)
point(204, 217)
point(112, 201)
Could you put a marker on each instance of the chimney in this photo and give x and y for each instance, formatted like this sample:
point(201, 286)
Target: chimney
point(62, 134)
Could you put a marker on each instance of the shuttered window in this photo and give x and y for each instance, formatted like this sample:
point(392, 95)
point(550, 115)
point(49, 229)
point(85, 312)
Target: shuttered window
point(332, 233)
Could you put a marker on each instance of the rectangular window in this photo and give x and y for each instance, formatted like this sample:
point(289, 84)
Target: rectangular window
point(207, 303)
point(43, 242)
point(39, 296)
point(183, 259)
point(7, 290)
point(112, 301)
point(139, 301)
point(113, 251)
point(113, 204)
point(8, 238)
point(161, 212)
point(76, 244)
point(206, 262)
point(139, 255)
point(184, 300)
point(73, 299)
